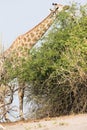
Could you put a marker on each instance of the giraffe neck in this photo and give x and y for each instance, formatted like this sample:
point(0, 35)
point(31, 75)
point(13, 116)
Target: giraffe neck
point(29, 39)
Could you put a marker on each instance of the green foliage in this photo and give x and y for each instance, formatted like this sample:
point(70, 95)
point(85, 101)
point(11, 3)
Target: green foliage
point(57, 71)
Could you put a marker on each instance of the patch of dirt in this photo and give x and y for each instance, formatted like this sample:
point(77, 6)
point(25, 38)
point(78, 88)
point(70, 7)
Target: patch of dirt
point(73, 122)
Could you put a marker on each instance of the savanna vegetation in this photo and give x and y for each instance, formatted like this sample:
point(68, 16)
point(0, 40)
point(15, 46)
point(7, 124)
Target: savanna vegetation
point(56, 71)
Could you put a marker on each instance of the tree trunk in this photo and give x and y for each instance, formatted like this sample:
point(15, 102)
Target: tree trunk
point(21, 96)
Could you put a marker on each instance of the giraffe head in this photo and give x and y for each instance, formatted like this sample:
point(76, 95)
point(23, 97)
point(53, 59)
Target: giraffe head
point(59, 7)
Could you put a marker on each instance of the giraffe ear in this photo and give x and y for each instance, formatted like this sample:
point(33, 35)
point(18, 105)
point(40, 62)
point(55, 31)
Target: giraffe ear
point(51, 10)
point(66, 7)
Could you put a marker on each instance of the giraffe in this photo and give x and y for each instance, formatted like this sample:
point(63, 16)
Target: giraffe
point(25, 42)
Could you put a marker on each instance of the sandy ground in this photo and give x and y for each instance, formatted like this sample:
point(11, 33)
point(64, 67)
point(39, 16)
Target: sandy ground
point(73, 122)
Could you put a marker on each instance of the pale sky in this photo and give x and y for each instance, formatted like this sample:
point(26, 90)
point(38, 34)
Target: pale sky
point(19, 16)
